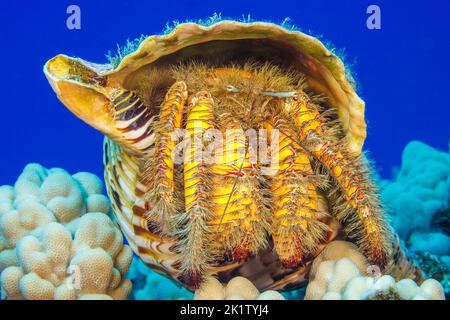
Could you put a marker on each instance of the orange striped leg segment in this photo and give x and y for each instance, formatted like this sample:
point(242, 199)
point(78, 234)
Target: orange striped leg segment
point(359, 197)
point(240, 216)
point(295, 230)
point(134, 122)
point(351, 176)
point(195, 233)
point(161, 196)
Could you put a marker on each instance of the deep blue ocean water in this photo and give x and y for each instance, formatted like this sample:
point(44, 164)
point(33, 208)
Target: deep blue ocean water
point(402, 69)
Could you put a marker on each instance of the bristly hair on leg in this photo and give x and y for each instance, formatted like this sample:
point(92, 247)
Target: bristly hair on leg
point(356, 203)
point(194, 231)
point(296, 231)
point(258, 220)
point(250, 93)
point(163, 196)
point(241, 208)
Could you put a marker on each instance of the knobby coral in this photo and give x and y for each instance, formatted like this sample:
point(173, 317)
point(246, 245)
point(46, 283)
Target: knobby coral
point(435, 267)
point(418, 202)
point(340, 273)
point(57, 240)
point(238, 288)
point(419, 191)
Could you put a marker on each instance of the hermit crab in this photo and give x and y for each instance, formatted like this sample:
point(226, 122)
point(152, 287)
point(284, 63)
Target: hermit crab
point(233, 148)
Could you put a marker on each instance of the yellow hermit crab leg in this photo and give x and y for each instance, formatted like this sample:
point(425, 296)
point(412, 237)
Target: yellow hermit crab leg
point(241, 213)
point(195, 233)
point(160, 169)
point(296, 232)
point(240, 222)
point(368, 226)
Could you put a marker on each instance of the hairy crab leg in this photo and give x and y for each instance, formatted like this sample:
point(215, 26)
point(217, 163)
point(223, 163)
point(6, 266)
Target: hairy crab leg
point(163, 200)
point(195, 233)
point(296, 231)
point(368, 226)
point(241, 213)
point(240, 220)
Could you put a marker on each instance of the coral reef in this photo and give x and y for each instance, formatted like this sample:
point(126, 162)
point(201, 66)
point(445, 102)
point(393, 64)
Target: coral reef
point(342, 280)
point(57, 240)
point(238, 288)
point(149, 285)
point(417, 200)
point(435, 267)
point(340, 273)
point(420, 190)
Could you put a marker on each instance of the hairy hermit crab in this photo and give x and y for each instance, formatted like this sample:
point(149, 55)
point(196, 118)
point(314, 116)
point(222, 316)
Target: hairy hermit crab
point(233, 148)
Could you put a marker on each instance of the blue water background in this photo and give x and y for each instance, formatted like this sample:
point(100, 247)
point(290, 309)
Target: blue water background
point(402, 69)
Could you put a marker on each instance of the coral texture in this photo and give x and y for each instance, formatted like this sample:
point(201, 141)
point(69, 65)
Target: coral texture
point(419, 191)
point(434, 267)
point(417, 199)
point(57, 240)
point(238, 288)
point(340, 273)
point(148, 285)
